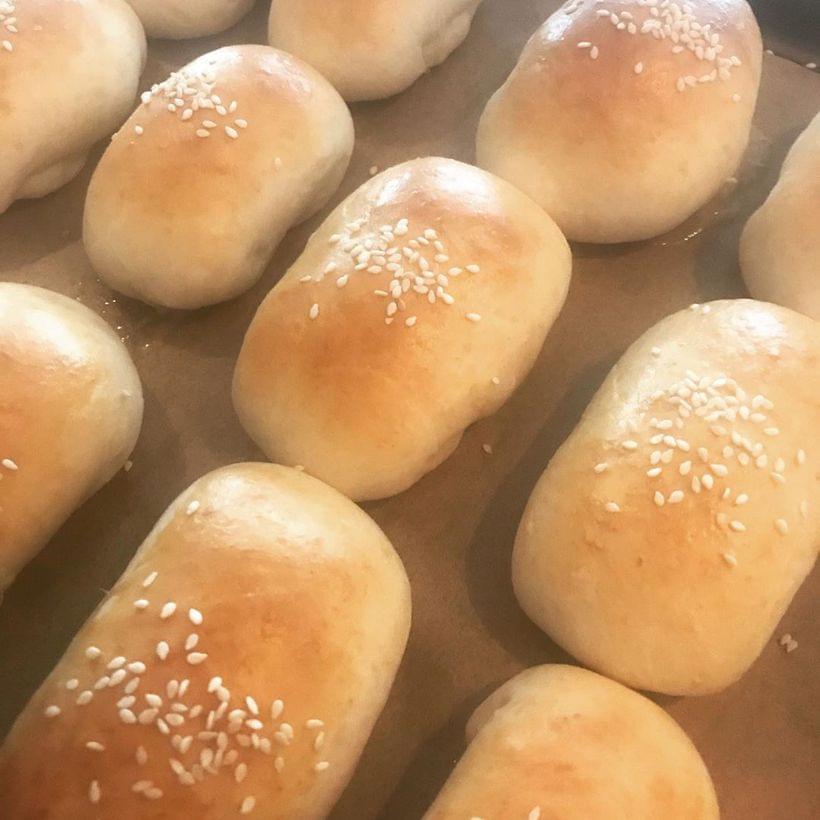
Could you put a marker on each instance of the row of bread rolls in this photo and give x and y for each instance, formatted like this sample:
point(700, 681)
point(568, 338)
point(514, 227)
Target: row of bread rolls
point(677, 110)
point(240, 662)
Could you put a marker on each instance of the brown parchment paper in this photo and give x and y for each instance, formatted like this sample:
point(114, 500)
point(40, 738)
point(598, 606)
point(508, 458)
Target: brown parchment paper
point(455, 528)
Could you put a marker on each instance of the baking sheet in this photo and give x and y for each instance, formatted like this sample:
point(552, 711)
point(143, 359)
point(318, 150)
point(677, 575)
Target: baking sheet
point(454, 530)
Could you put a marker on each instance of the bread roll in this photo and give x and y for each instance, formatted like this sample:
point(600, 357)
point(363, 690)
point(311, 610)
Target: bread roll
point(181, 19)
point(236, 668)
point(416, 309)
point(70, 414)
point(622, 118)
point(780, 245)
point(371, 49)
point(561, 742)
point(669, 533)
point(68, 72)
point(202, 182)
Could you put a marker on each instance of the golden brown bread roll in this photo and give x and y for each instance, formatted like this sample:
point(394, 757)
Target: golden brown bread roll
point(236, 668)
point(669, 533)
point(182, 19)
point(202, 182)
point(622, 118)
point(416, 308)
point(68, 72)
point(371, 49)
point(780, 245)
point(70, 414)
point(561, 743)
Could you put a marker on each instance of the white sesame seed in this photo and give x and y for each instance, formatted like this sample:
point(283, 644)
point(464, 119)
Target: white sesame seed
point(659, 498)
point(94, 792)
point(276, 708)
point(321, 766)
point(52, 711)
point(729, 558)
point(195, 617)
point(612, 507)
point(168, 610)
point(162, 650)
point(192, 508)
point(782, 526)
point(675, 497)
point(629, 444)
point(638, 68)
point(84, 697)
point(737, 526)
point(195, 658)
point(474, 317)
point(150, 579)
point(247, 805)
point(593, 53)
point(127, 716)
point(314, 311)
point(800, 458)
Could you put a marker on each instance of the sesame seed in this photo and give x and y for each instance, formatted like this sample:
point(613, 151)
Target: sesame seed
point(191, 641)
point(535, 813)
point(9, 464)
point(92, 653)
point(659, 498)
point(192, 508)
point(84, 698)
point(141, 604)
point(629, 445)
point(600, 468)
point(127, 716)
point(730, 559)
point(321, 766)
point(314, 311)
point(52, 711)
point(116, 663)
point(202, 133)
point(168, 610)
point(737, 526)
point(247, 805)
point(94, 792)
point(612, 507)
point(675, 497)
point(196, 658)
point(800, 457)
point(232, 132)
point(195, 617)
point(782, 526)
point(150, 579)
point(593, 53)
point(162, 650)
point(638, 68)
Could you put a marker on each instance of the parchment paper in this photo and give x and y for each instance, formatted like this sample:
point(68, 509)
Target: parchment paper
point(454, 530)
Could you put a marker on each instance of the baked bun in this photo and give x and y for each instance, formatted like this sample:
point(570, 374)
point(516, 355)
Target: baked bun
point(669, 533)
point(622, 118)
point(69, 71)
point(561, 742)
point(416, 309)
point(182, 19)
point(236, 668)
point(70, 414)
point(200, 185)
point(780, 245)
point(371, 49)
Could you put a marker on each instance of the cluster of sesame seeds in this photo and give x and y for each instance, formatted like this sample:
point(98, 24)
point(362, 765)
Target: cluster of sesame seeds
point(8, 24)
point(418, 266)
point(744, 432)
point(677, 24)
point(208, 735)
point(191, 94)
point(788, 643)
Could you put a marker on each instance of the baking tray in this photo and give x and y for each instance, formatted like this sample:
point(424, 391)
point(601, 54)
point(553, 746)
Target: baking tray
point(455, 528)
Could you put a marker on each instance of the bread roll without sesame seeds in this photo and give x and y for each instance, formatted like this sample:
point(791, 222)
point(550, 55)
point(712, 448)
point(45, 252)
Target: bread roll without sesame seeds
point(669, 533)
point(70, 414)
point(561, 742)
point(780, 245)
point(416, 309)
point(370, 49)
point(183, 19)
point(69, 71)
point(200, 185)
point(261, 589)
point(622, 118)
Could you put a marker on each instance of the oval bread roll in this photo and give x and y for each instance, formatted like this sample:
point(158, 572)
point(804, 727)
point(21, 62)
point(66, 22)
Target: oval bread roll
point(371, 49)
point(622, 118)
point(237, 667)
point(780, 245)
point(182, 19)
point(200, 185)
point(561, 742)
point(416, 308)
point(669, 533)
point(79, 61)
point(70, 414)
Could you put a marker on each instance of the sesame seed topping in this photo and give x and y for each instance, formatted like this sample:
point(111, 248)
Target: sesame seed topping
point(314, 311)
point(94, 746)
point(782, 526)
point(162, 650)
point(611, 506)
point(321, 766)
point(737, 526)
point(92, 653)
point(150, 579)
point(638, 68)
point(52, 711)
point(192, 508)
point(474, 317)
point(195, 617)
point(9, 464)
point(247, 805)
point(94, 792)
point(535, 813)
point(729, 558)
point(141, 604)
point(195, 658)
point(84, 697)
point(788, 643)
point(168, 610)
